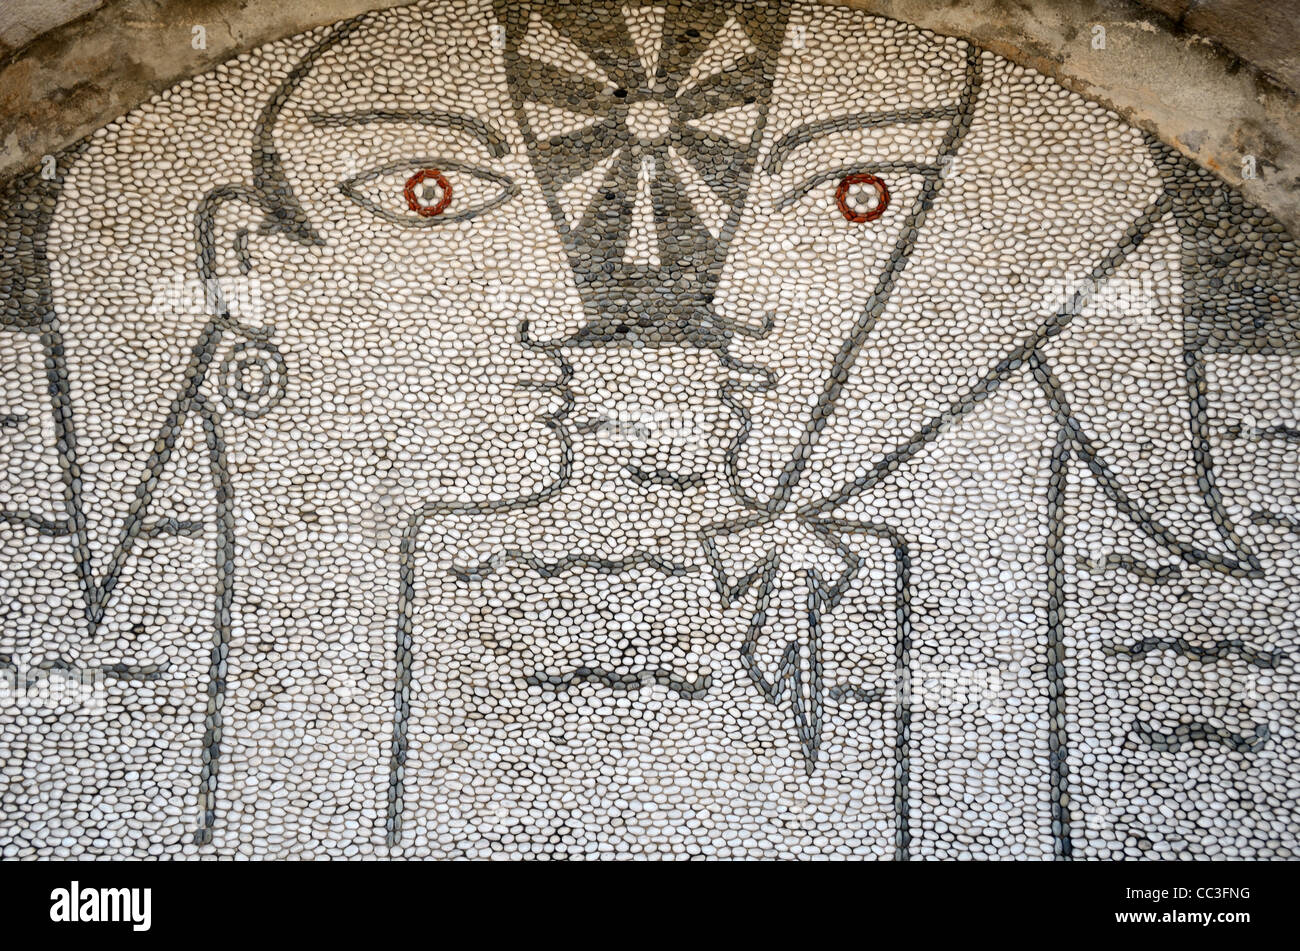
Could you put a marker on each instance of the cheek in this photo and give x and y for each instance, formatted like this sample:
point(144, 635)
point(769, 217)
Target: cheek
point(508, 259)
point(808, 267)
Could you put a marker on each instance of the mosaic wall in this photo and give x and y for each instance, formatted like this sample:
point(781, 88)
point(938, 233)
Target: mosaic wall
point(639, 430)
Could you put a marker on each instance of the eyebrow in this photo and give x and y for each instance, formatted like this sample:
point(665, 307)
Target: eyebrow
point(486, 133)
point(884, 168)
point(863, 120)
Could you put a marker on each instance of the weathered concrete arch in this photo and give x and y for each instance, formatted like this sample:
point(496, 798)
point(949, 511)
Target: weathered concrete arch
point(1215, 79)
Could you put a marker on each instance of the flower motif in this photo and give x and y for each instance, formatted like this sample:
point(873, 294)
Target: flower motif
point(642, 126)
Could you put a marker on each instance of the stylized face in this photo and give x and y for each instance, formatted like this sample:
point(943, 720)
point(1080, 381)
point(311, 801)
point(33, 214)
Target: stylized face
point(431, 241)
point(391, 321)
point(680, 176)
point(545, 417)
point(621, 262)
point(897, 308)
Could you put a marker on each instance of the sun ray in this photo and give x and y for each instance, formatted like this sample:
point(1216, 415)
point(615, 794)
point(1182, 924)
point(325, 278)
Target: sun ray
point(646, 27)
point(729, 46)
point(546, 44)
point(642, 243)
point(547, 121)
point(564, 157)
point(712, 211)
point(576, 196)
point(737, 123)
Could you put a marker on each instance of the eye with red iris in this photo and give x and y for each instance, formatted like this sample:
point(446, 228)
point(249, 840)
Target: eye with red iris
point(428, 193)
point(861, 197)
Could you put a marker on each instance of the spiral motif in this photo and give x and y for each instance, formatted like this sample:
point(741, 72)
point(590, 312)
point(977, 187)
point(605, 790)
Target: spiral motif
point(253, 379)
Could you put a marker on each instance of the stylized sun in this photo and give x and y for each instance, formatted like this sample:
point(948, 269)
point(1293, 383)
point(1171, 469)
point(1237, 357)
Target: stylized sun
point(642, 130)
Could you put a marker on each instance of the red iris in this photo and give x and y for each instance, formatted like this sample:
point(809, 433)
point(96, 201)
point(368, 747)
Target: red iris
point(855, 211)
point(416, 201)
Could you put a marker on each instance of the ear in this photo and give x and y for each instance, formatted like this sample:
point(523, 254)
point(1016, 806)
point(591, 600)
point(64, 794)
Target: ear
point(233, 225)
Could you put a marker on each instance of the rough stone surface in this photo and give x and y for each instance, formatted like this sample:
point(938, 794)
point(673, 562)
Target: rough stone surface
point(1265, 34)
point(21, 21)
point(635, 430)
